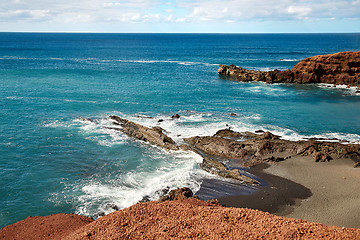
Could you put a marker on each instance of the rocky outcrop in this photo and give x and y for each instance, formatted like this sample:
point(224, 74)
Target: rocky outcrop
point(218, 168)
point(339, 68)
point(155, 135)
point(248, 148)
point(178, 194)
point(251, 149)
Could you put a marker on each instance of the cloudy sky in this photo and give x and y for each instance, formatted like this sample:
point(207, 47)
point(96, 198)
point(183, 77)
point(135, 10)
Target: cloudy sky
point(215, 16)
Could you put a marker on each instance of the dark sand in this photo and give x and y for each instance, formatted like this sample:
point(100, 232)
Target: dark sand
point(327, 193)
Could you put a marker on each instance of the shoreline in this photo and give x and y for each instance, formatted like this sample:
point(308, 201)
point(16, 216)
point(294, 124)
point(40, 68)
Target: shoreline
point(300, 188)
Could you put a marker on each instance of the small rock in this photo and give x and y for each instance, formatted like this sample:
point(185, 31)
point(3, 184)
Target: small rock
point(321, 157)
point(176, 116)
point(112, 206)
point(160, 120)
point(145, 199)
point(99, 214)
point(178, 194)
point(233, 114)
point(214, 202)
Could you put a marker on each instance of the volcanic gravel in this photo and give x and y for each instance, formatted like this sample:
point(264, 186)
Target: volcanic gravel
point(55, 226)
point(183, 219)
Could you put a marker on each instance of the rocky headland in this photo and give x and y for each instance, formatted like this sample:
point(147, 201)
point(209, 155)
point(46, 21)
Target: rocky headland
point(341, 68)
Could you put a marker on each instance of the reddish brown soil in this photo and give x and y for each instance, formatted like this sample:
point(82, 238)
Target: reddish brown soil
point(184, 219)
point(55, 226)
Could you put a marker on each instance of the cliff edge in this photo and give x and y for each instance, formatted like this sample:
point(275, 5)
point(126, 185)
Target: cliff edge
point(341, 68)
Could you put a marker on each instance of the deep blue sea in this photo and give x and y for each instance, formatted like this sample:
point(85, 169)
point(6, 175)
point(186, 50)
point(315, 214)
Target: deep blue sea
point(58, 90)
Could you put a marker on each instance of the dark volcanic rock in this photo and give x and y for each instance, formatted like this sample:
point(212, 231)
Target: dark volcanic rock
point(176, 116)
point(338, 68)
point(258, 148)
point(153, 135)
point(218, 168)
point(178, 194)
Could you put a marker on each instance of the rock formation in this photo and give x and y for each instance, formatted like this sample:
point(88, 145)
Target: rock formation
point(339, 68)
point(251, 149)
point(178, 194)
point(155, 135)
point(248, 148)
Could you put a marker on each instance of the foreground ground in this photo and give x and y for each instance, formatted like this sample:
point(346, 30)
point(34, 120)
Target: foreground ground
point(185, 219)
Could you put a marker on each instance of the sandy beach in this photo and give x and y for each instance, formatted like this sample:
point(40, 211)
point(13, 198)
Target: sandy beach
point(324, 192)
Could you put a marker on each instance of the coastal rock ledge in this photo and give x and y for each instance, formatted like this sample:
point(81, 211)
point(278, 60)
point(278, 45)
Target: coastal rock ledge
point(341, 68)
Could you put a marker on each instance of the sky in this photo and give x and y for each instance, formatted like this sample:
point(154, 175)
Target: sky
point(187, 16)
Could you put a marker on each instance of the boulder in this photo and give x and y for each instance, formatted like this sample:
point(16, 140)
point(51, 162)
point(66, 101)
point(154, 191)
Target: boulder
point(178, 194)
point(175, 116)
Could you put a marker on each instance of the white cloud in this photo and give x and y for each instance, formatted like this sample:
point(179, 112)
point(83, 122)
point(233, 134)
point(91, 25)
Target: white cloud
point(240, 10)
point(299, 11)
point(195, 11)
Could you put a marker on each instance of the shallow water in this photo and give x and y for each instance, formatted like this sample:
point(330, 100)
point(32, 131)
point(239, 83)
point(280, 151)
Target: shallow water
point(53, 159)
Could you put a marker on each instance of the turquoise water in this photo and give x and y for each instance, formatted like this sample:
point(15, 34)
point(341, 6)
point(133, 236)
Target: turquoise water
point(54, 159)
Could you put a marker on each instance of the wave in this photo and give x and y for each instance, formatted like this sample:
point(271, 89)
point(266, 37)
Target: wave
point(348, 91)
point(190, 124)
point(187, 63)
point(289, 60)
point(102, 61)
point(95, 195)
point(204, 124)
point(267, 69)
point(158, 170)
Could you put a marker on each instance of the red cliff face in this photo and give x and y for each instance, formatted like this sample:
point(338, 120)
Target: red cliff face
point(339, 68)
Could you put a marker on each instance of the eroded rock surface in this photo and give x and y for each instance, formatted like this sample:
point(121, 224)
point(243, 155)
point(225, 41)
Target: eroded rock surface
point(339, 68)
point(252, 149)
point(153, 135)
point(178, 194)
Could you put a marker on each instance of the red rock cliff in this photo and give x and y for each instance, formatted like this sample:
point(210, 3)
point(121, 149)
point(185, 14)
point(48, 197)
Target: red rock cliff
point(339, 68)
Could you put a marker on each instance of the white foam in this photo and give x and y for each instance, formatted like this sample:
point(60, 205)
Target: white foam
point(188, 63)
point(14, 98)
point(289, 60)
point(179, 170)
point(79, 101)
point(169, 169)
point(266, 69)
point(206, 124)
point(351, 91)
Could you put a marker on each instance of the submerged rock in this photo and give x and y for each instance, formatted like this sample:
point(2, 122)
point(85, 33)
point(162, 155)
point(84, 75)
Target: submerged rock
point(339, 68)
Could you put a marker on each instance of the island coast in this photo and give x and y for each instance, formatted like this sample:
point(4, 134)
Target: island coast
point(313, 180)
point(341, 68)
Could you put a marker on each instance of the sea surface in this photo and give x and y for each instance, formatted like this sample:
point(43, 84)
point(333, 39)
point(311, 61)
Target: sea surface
point(58, 90)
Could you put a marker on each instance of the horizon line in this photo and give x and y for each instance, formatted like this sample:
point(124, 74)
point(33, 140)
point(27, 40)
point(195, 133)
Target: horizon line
point(85, 32)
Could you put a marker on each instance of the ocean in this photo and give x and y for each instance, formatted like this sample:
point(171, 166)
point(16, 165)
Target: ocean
point(57, 92)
